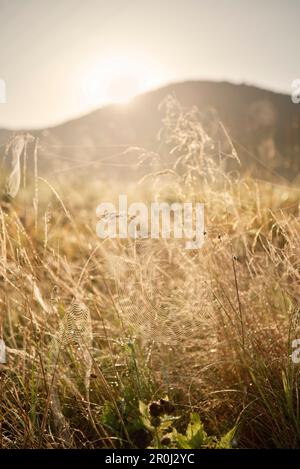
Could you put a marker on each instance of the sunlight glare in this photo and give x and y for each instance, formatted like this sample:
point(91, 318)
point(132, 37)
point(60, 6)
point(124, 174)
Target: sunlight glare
point(115, 80)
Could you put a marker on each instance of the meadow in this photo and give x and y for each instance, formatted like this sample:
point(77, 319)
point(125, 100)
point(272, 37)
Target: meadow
point(141, 343)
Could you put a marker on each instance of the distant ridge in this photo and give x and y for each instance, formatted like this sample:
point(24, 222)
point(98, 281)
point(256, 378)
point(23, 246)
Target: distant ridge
point(264, 125)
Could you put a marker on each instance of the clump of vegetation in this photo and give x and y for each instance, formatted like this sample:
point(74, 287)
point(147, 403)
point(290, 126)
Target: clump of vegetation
point(95, 334)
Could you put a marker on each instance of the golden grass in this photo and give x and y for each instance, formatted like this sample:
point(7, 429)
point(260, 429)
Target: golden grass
point(93, 328)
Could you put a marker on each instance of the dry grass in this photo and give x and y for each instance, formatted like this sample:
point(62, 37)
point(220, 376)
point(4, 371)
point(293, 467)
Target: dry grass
point(95, 328)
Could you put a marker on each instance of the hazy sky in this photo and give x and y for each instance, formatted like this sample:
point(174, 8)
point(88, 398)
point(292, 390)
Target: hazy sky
point(61, 58)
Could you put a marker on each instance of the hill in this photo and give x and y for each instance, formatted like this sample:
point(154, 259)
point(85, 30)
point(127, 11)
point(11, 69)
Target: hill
point(264, 127)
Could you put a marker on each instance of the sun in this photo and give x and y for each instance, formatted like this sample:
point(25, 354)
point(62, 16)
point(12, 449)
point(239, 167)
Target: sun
point(115, 80)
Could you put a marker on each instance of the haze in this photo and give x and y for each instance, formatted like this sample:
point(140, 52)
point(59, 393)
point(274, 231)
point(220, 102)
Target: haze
point(53, 51)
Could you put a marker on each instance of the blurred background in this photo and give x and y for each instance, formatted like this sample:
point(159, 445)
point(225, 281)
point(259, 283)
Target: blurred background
point(235, 60)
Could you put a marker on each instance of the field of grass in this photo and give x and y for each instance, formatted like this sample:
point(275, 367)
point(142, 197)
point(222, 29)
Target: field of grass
point(141, 343)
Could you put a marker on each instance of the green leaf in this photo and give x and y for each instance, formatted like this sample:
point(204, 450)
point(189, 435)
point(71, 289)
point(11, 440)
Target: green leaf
point(181, 440)
point(195, 433)
point(226, 440)
point(145, 418)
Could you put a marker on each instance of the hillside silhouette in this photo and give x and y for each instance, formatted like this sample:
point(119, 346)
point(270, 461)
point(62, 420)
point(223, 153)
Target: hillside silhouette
point(264, 127)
